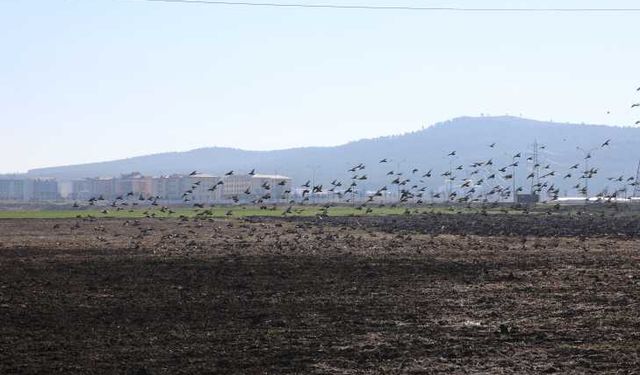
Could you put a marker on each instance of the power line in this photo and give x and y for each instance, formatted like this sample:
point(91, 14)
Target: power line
point(400, 8)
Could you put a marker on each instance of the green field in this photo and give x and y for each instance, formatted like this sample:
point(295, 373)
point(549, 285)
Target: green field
point(253, 211)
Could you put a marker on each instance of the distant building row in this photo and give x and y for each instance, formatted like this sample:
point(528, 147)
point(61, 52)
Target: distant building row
point(199, 188)
point(28, 189)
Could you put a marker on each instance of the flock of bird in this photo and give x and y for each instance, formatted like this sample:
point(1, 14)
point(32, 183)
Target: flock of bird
point(481, 182)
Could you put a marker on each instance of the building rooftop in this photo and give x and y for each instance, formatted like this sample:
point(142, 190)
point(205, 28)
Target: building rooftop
point(203, 175)
point(273, 176)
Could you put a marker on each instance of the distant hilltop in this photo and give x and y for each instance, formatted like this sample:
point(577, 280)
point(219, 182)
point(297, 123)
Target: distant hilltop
point(425, 149)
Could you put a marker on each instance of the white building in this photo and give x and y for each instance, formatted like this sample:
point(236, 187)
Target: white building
point(199, 188)
point(28, 189)
point(270, 188)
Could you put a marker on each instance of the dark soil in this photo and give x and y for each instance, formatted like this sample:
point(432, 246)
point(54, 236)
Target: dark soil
point(339, 295)
point(588, 224)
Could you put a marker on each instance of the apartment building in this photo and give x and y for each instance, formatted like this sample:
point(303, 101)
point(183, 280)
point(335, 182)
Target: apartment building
point(28, 189)
point(251, 187)
point(199, 188)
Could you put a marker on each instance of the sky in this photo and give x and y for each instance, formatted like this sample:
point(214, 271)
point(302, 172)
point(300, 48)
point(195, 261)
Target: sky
point(93, 80)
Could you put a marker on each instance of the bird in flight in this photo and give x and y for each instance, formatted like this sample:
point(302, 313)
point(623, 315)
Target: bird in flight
point(452, 153)
point(635, 105)
point(357, 167)
point(606, 143)
point(384, 161)
point(193, 173)
point(252, 173)
point(229, 173)
point(492, 145)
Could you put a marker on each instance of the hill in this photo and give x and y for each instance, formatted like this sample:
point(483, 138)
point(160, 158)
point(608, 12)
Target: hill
point(425, 149)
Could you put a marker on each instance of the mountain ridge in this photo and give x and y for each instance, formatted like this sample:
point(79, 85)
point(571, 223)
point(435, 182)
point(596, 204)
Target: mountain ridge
point(423, 149)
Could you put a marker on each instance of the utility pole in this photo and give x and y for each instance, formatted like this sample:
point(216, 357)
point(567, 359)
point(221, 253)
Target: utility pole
point(450, 181)
point(535, 181)
point(636, 188)
point(399, 173)
point(513, 178)
point(587, 176)
point(313, 168)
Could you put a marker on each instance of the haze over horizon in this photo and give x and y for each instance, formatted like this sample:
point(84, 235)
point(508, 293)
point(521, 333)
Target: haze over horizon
point(87, 82)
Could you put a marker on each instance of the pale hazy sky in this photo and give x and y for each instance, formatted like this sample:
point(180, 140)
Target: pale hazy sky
point(91, 80)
